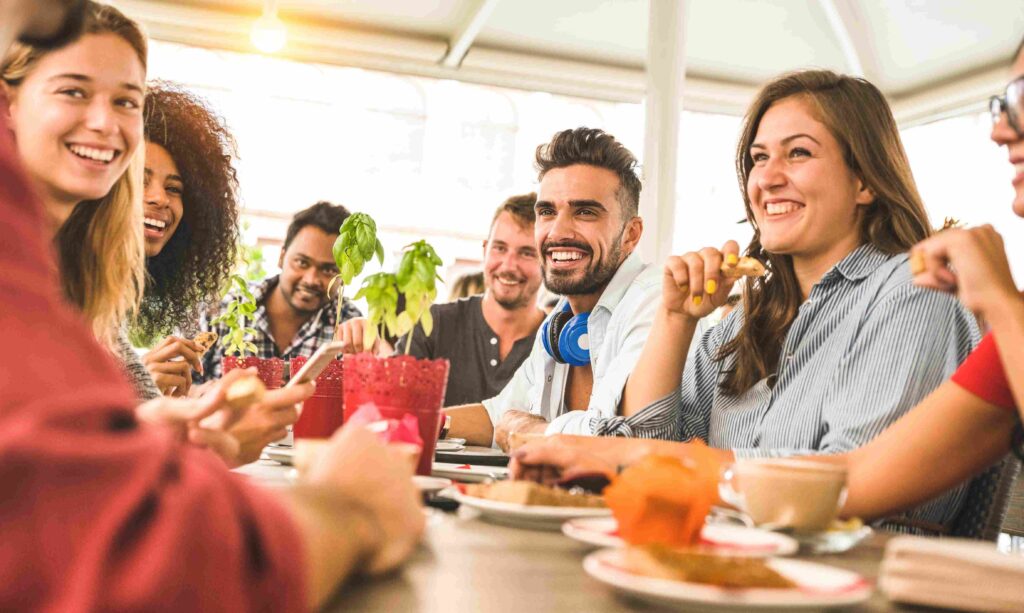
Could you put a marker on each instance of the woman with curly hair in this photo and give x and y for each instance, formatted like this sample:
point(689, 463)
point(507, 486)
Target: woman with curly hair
point(191, 225)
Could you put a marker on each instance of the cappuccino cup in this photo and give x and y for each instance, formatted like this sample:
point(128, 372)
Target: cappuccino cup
point(804, 495)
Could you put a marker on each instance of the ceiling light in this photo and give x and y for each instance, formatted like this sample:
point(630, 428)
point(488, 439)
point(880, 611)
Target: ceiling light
point(268, 33)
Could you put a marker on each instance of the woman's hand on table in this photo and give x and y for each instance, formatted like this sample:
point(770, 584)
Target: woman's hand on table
point(379, 478)
point(970, 262)
point(693, 284)
point(553, 459)
point(171, 363)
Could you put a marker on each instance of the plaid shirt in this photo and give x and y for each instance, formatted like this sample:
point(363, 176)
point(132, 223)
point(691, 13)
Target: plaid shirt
point(318, 330)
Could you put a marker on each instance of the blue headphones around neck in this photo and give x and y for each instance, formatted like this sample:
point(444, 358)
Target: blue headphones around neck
point(565, 337)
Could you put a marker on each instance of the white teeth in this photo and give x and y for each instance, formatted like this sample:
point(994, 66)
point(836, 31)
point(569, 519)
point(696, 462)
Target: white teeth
point(100, 155)
point(507, 282)
point(562, 256)
point(781, 208)
point(155, 222)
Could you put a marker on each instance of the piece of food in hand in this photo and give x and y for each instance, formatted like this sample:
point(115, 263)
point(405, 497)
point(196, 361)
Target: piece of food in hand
point(664, 500)
point(245, 391)
point(745, 267)
point(533, 494)
point(916, 263)
point(662, 562)
point(205, 340)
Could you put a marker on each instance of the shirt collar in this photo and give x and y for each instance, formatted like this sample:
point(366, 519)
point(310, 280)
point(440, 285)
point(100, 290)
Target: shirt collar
point(623, 278)
point(857, 265)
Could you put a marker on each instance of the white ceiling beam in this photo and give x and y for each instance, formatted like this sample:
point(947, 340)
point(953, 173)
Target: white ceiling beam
point(463, 38)
point(848, 34)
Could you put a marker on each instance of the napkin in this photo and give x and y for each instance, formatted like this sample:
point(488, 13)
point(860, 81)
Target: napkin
point(404, 430)
point(953, 573)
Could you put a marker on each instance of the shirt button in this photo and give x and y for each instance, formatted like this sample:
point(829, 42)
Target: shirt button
point(494, 341)
point(494, 362)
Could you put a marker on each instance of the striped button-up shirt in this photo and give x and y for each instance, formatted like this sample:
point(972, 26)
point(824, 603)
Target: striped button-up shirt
point(866, 346)
point(319, 329)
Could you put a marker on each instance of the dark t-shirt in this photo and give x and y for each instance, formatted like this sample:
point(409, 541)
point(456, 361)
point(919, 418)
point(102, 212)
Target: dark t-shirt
point(461, 335)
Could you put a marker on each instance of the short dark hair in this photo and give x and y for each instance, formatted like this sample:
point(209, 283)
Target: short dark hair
point(520, 207)
point(324, 215)
point(594, 147)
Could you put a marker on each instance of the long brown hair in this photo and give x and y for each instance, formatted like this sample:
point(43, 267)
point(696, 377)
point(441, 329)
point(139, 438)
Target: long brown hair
point(859, 118)
point(100, 245)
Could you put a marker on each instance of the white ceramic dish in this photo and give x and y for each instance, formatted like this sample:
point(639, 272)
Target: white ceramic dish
point(448, 446)
point(467, 473)
point(715, 538)
point(281, 455)
point(430, 485)
point(818, 586)
point(526, 516)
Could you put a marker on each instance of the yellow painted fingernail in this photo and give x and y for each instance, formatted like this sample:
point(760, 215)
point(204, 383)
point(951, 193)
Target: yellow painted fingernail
point(711, 286)
point(697, 300)
point(731, 259)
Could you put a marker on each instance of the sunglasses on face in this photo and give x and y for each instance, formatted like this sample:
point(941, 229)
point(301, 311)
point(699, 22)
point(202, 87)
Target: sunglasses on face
point(1011, 103)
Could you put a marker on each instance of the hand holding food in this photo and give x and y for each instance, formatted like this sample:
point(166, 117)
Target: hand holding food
point(970, 262)
point(244, 392)
point(696, 283)
point(171, 363)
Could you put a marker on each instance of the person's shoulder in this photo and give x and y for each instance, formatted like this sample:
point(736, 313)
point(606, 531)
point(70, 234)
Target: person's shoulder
point(463, 307)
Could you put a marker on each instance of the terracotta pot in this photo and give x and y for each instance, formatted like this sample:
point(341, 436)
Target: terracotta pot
point(269, 370)
point(398, 386)
point(323, 412)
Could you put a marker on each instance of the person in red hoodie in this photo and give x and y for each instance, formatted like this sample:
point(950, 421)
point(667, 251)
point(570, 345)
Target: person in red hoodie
point(102, 512)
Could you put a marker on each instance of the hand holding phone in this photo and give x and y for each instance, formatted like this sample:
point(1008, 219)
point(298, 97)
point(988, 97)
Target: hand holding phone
point(317, 363)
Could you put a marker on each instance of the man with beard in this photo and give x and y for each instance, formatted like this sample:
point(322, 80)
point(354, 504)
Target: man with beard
point(587, 229)
point(294, 313)
point(487, 337)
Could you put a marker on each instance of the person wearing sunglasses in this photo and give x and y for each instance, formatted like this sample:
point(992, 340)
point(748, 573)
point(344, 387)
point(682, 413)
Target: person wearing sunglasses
point(966, 425)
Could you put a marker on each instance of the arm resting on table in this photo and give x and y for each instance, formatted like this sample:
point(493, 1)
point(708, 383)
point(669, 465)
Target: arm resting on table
point(471, 422)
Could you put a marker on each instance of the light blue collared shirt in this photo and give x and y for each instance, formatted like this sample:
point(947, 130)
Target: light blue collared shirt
point(617, 329)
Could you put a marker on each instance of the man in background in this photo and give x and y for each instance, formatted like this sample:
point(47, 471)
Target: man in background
point(485, 337)
point(295, 313)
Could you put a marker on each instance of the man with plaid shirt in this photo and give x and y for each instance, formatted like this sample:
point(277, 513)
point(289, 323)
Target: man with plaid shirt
point(294, 314)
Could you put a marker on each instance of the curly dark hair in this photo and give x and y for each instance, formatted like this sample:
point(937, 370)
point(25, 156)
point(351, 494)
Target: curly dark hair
point(194, 265)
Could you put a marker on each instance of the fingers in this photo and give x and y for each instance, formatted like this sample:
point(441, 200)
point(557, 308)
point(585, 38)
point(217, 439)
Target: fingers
point(221, 443)
point(172, 348)
point(171, 375)
point(695, 271)
point(713, 259)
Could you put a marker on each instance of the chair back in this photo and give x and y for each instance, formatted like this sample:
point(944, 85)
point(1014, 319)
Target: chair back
point(988, 497)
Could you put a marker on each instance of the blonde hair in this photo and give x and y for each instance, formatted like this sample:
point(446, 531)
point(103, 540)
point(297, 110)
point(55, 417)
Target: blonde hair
point(100, 247)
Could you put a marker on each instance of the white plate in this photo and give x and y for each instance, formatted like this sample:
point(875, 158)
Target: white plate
point(430, 485)
point(468, 473)
point(526, 516)
point(282, 455)
point(715, 538)
point(448, 446)
point(819, 586)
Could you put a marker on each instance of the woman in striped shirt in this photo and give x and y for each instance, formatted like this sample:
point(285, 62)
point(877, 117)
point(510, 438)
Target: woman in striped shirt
point(836, 342)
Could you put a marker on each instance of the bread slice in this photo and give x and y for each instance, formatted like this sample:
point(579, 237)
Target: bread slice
point(736, 572)
point(533, 494)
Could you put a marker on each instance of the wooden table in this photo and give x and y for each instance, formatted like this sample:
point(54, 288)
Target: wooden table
point(467, 564)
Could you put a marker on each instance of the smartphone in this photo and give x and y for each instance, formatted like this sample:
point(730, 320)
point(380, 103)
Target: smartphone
point(316, 364)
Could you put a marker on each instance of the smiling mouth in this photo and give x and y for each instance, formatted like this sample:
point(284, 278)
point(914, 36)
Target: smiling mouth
point(103, 156)
point(774, 209)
